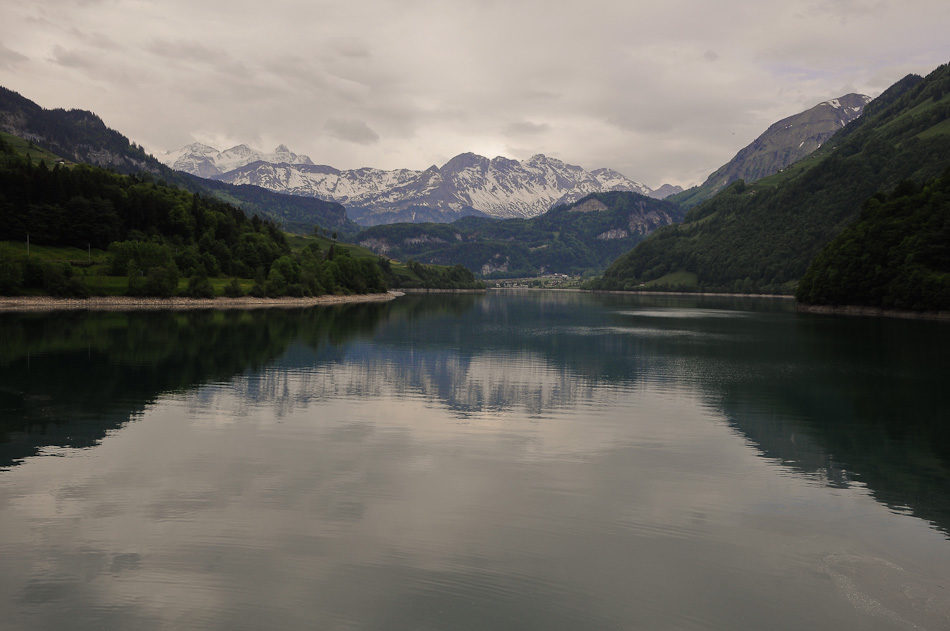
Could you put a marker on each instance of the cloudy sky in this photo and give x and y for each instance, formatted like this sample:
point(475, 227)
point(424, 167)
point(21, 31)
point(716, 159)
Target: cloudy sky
point(661, 90)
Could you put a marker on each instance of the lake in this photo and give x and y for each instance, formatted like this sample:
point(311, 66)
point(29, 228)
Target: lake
point(534, 460)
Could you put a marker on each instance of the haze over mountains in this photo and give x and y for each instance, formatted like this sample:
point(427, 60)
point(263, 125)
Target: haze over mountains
point(468, 184)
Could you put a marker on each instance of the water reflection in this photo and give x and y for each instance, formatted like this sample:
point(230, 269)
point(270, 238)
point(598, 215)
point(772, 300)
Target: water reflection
point(537, 460)
point(67, 379)
point(836, 399)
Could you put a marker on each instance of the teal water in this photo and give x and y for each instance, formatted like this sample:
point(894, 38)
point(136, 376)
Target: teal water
point(530, 460)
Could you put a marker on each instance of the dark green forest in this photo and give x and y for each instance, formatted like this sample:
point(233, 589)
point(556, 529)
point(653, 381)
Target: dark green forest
point(895, 256)
point(761, 238)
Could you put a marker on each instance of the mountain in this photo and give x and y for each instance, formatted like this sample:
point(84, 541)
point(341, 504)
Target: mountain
point(81, 136)
point(783, 143)
point(576, 238)
point(205, 161)
point(468, 184)
point(665, 191)
point(762, 237)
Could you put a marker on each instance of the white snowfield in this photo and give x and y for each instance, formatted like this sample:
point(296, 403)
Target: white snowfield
point(499, 187)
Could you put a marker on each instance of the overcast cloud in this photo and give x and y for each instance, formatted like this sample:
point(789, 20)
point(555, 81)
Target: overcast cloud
point(662, 91)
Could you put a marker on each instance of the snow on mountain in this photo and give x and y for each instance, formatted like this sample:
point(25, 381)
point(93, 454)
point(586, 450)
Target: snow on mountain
point(851, 108)
point(499, 187)
point(783, 143)
point(205, 161)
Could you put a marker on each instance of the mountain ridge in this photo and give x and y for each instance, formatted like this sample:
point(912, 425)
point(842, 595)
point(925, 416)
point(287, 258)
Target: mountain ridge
point(760, 238)
point(776, 148)
point(82, 136)
point(466, 184)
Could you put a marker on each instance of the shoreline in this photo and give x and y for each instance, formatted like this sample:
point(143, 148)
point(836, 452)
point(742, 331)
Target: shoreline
point(423, 290)
point(872, 312)
point(131, 303)
point(718, 294)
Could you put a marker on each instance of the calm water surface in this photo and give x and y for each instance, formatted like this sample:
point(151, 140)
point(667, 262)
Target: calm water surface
point(507, 461)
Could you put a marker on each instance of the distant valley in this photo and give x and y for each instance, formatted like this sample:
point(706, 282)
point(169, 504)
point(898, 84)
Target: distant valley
point(578, 238)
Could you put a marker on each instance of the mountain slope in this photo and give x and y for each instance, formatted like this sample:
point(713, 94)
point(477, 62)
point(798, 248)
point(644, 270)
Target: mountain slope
point(762, 237)
point(468, 184)
point(783, 143)
point(572, 239)
point(81, 136)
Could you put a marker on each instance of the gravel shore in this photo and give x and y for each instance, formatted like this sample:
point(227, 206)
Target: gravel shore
point(129, 303)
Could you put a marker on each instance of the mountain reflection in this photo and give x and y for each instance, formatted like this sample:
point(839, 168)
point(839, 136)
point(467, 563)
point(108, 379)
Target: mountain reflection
point(68, 378)
point(841, 401)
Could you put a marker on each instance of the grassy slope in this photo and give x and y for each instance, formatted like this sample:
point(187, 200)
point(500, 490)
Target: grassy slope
point(25, 147)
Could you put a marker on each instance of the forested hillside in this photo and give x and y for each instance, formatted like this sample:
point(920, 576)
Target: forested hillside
point(895, 256)
point(762, 237)
point(156, 236)
point(82, 137)
point(574, 239)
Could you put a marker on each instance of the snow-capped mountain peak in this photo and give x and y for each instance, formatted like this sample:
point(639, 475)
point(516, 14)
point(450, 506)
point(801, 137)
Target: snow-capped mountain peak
point(467, 183)
point(206, 161)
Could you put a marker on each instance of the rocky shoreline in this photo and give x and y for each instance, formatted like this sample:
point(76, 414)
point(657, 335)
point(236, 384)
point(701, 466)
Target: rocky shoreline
point(130, 303)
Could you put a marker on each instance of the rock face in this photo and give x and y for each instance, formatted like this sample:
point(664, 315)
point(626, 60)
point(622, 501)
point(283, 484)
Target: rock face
point(785, 142)
point(468, 184)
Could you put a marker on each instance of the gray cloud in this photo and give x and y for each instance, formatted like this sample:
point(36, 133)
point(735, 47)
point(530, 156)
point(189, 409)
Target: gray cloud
point(351, 130)
point(526, 128)
point(72, 58)
point(184, 49)
point(95, 39)
point(659, 91)
point(10, 58)
point(351, 47)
